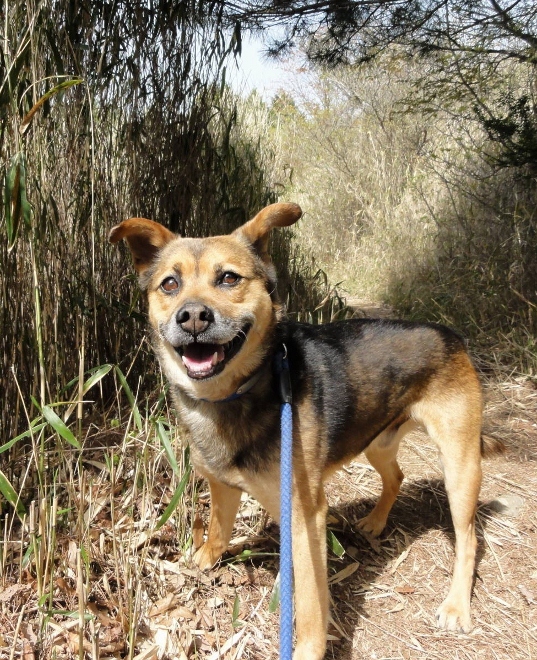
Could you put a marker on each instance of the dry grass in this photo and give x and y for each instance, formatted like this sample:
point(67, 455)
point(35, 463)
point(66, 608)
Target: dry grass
point(404, 206)
point(88, 569)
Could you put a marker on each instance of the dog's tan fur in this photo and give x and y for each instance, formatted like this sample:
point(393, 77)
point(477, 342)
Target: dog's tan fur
point(397, 376)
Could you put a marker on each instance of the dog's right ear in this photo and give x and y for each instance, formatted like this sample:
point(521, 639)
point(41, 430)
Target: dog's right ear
point(257, 230)
point(144, 237)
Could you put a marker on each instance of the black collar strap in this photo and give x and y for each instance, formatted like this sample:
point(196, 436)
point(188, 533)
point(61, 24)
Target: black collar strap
point(284, 381)
point(245, 387)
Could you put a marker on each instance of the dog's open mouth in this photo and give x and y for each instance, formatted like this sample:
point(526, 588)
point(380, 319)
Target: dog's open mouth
point(205, 360)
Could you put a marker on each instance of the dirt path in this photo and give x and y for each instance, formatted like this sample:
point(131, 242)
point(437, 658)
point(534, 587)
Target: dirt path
point(385, 592)
point(364, 307)
point(386, 608)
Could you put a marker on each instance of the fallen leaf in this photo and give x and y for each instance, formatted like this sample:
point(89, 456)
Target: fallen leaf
point(64, 586)
point(527, 593)
point(399, 561)
point(352, 552)
point(207, 619)
point(182, 612)
point(74, 641)
point(102, 617)
point(228, 645)
point(27, 650)
point(405, 589)
point(13, 590)
point(163, 605)
point(148, 654)
point(343, 574)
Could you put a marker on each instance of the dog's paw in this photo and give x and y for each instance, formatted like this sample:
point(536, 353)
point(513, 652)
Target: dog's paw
point(309, 651)
point(207, 556)
point(372, 525)
point(452, 616)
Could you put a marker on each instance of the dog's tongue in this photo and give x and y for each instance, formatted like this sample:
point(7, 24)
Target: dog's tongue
point(201, 358)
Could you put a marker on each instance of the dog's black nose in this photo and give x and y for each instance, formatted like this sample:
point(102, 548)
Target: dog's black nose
point(194, 318)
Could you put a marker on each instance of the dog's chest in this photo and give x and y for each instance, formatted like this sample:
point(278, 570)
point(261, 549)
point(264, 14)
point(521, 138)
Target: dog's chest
point(228, 437)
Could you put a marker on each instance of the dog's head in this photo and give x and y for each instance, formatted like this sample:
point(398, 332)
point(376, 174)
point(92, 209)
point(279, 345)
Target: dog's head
point(212, 301)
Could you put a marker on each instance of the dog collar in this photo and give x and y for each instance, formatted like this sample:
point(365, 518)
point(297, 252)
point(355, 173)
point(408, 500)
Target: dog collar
point(281, 364)
point(245, 387)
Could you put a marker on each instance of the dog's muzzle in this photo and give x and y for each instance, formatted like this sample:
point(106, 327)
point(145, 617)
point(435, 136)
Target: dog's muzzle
point(201, 344)
point(204, 360)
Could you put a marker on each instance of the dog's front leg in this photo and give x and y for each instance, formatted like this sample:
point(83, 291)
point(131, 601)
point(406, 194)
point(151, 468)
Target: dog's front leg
point(309, 561)
point(225, 502)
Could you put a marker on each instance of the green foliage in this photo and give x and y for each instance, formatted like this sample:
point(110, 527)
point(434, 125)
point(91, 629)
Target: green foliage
point(515, 130)
point(176, 497)
point(334, 544)
point(16, 206)
point(9, 493)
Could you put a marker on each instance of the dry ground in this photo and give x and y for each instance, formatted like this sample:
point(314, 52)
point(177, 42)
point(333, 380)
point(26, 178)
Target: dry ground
point(384, 592)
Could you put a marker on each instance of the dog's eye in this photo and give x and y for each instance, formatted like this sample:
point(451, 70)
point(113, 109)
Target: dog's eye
point(169, 284)
point(230, 278)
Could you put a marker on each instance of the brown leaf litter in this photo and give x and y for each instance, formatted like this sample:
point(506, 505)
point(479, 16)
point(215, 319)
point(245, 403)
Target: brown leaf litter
point(144, 599)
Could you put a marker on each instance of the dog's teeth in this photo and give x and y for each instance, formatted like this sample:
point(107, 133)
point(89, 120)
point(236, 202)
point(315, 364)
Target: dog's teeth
point(215, 358)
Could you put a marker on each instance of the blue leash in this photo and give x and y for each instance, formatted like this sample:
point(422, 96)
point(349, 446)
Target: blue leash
point(286, 490)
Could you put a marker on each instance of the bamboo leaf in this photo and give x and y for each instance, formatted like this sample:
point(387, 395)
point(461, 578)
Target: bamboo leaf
point(59, 426)
point(26, 434)
point(16, 204)
point(165, 442)
point(95, 377)
point(11, 496)
point(175, 499)
point(235, 621)
point(334, 544)
point(275, 595)
point(65, 84)
point(73, 614)
point(130, 397)
point(11, 196)
point(25, 207)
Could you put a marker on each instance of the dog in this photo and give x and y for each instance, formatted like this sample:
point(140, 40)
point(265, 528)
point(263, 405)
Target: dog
point(359, 385)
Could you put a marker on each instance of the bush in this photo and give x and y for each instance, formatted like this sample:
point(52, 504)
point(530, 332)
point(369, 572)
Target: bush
point(409, 207)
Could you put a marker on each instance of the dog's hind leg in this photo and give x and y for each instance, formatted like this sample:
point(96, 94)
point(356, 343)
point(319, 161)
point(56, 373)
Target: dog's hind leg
point(382, 454)
point(455, 427)
point(462, 474)
point(225, 502)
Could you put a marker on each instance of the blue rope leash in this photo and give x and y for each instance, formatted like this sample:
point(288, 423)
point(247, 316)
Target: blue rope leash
point(286, 489)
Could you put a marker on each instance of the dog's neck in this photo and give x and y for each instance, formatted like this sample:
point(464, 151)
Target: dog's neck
point(245, 387)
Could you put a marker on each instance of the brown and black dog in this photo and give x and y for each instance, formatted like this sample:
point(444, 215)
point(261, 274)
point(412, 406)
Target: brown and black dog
point(358, 385)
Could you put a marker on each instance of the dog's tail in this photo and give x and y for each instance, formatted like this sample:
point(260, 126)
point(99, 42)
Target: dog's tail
point(491, 446)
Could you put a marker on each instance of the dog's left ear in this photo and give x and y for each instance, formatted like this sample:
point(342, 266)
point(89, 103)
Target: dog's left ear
point(144, 237)
point(257, 230)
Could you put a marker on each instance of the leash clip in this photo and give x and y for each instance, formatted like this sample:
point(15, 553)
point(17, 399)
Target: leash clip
point(284, 373)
